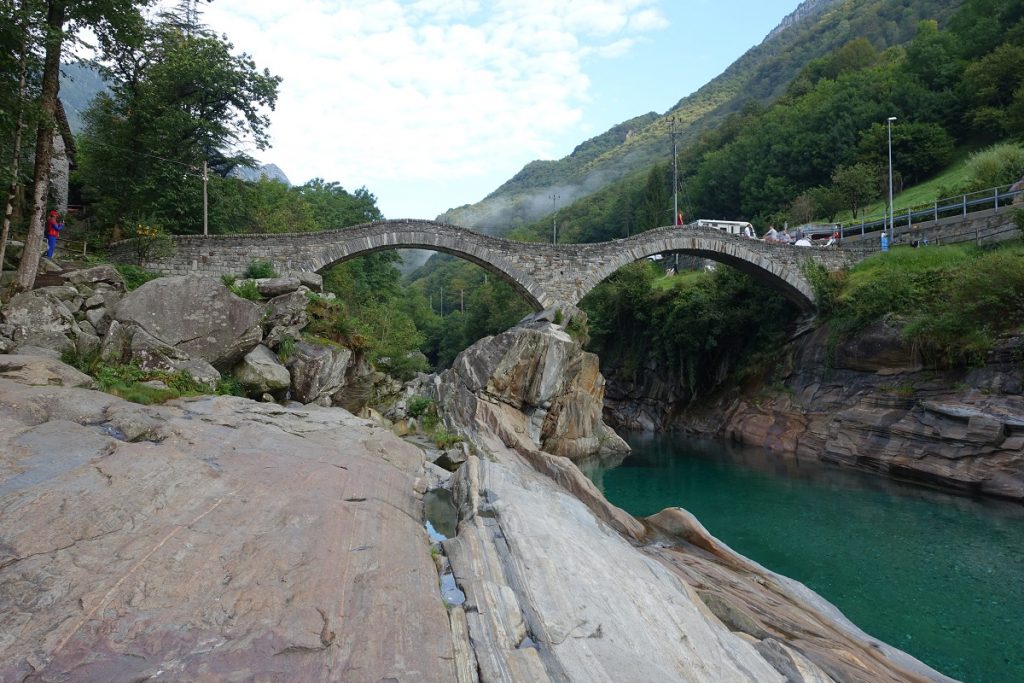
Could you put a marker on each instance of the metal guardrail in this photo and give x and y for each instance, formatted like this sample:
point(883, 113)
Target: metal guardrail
point(962, 205)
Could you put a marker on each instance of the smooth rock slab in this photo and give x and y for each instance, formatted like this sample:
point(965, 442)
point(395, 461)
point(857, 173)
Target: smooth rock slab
point(252, 543)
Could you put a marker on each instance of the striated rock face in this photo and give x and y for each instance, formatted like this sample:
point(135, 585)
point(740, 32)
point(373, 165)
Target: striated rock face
point(209, 540)
point(562, 586)
point(198, 315)
point(555, 388)
point(872, 403)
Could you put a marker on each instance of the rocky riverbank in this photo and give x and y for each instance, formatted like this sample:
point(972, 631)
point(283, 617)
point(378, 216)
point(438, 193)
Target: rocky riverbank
point(872, 403)
point(221, 538)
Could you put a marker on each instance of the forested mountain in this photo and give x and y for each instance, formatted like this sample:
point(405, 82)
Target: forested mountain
point(814, 30)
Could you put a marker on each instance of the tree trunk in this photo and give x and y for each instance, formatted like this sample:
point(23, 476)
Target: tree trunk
point(29, 265)
point(19, 126)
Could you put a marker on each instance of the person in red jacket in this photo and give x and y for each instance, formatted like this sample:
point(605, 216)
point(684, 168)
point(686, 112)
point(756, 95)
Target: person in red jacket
point(53, 228)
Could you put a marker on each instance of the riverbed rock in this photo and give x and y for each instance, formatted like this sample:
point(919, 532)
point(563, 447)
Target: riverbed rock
point(210, 539)
point(554, 386)
point(197, 315)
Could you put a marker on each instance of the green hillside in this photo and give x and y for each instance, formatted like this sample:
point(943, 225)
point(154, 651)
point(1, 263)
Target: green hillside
point(814, 30)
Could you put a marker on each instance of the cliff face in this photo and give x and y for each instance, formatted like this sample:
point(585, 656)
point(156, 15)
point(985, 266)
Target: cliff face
point(874, 405)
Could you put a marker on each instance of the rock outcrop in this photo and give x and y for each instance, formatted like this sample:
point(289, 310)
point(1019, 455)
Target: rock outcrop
point(198, 315)
point(193, 325)
point(209, 539)
point(872, 403)
point(554, 388)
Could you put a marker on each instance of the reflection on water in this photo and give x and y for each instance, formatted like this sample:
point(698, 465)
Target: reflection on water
point(937, 575)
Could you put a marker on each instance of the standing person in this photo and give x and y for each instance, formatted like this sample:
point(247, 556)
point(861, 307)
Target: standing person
point(679, 218)
point(53, 228)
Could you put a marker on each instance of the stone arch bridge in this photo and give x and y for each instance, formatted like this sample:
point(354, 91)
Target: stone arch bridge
point(543, 273)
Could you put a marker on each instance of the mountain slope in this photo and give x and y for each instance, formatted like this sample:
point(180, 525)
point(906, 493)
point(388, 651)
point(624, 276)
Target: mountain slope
point(814, 29)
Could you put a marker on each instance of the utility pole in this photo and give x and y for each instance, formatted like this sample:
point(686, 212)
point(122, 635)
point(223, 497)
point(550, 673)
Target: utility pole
point(675, 176)
point(442, 301)
point(554, 218)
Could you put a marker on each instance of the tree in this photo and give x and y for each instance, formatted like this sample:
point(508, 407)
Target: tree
point(179, 100)
point(857, 184)
point(110, 21)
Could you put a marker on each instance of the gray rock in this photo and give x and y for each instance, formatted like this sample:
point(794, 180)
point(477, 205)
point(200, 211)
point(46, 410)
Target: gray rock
point(317, 371)
point(261, 372)
point(288, 310)
point(152, 354)
point(117, 343)
point(199, 370)
point(314, 281)
point(87, 343)
point(98, 318)
point(277, 286)
point(105, 273)
point(40, 319)
point(42, 371)
point(197, 315)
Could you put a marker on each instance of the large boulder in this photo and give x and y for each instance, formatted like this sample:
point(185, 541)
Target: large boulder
point(554, 388)
point(261, 372)
point(40, 319)
point(199, 316)
point(104, 274)
point(317, 371)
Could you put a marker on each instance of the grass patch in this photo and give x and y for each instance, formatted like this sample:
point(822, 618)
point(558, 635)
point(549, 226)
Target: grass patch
point(135, 277)
point(260, 269)
point(246, 289)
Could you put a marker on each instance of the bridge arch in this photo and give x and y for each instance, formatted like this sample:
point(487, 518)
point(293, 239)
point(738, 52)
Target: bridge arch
point(543, 273)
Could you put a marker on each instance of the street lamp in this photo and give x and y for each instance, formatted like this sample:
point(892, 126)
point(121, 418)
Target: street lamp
point(554, 217)
point(891, 221)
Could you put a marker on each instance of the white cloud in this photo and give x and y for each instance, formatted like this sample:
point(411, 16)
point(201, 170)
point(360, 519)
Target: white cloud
point(394, 95)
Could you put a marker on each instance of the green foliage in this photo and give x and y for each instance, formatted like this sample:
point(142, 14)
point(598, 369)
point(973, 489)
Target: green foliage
point(955, 300)
point(135, 277)
point(246, 289)
point(995, 166)
point(442, 438)
point(286, 348)
point(230, 386)
point(689, 332)
point(178, 99)
point(260, 269)
point(419, 405)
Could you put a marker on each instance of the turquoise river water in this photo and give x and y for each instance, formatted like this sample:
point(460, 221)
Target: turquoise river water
point(939, 576)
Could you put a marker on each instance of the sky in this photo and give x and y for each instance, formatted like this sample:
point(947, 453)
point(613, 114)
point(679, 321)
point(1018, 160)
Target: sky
point(432, 104)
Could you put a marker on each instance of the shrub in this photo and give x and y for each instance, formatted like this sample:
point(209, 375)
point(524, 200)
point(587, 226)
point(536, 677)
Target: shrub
point(444, 439)
point(246, 289)
point(135, 276)
point(260, 269)
point(418, 405)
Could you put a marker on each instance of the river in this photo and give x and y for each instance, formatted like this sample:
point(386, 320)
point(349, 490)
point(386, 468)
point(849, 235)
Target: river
point(939, 576)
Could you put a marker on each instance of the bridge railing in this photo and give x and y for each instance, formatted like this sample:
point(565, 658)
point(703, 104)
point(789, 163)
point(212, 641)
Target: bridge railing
point(995, 198)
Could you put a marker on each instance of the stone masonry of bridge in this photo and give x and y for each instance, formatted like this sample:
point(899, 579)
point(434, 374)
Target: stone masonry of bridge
point(544, 274)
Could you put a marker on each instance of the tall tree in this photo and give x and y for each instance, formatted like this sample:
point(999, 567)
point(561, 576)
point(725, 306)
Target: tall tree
point(106, 19)
point(179, 100)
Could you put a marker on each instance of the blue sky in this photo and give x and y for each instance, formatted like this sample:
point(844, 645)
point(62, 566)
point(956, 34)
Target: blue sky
point(432, 104)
